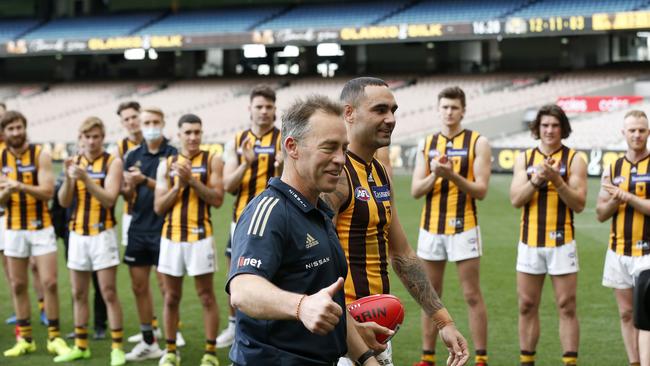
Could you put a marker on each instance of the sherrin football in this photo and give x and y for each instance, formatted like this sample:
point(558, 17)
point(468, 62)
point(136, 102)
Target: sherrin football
point(385, 310)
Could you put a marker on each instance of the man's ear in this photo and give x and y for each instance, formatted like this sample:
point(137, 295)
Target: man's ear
point(291, 147)
point(348, 113)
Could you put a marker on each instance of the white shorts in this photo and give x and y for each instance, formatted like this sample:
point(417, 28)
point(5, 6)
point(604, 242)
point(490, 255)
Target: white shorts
point(93, 252)
point(384, 359)
point(126, 222)
point(620, 270)
point(3, 225)
point(453, 247)
point(194, 258)
point(554, 260)
point(27, 243)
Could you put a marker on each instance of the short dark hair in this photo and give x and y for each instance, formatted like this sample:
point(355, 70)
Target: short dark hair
point(128, 105)
point(189, 118)
point(452, 92)
point(264, 91)
point(355, 89)
point(552, 110)
point(295, 120)
point(12, 116)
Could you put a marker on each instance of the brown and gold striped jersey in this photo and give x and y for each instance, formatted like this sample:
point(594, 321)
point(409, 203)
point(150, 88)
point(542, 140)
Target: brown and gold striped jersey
point(3, 146)
point(362, 224)
point(448, 210)
point(257, 175)
point(89, 217)
point(630, 230)
point(23, 211)
point(546, 221)
point(188, 219)
point(123, 146)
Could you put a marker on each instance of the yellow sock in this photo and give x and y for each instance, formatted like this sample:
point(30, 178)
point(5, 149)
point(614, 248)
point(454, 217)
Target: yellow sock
point(527, 357)
point(171, 346)
point(24, 329)
point(211, 347)
point(116, 338)
point(53, 329)
point(570, 358)
point(81, 337)
point(428, 356)
point(480, 358)
point(154, 323)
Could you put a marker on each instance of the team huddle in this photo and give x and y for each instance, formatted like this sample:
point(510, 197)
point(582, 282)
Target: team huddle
point(314, 228)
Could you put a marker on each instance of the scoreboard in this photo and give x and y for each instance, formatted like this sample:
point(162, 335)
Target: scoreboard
point(512, 27)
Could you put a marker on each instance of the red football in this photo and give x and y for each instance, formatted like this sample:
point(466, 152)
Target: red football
point(385, 310)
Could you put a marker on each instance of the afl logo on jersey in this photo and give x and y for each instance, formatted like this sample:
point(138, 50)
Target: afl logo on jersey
point(361, 194)
point(618, 180)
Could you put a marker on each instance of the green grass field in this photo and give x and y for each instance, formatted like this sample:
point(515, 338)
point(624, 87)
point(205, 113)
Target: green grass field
point(600, 344)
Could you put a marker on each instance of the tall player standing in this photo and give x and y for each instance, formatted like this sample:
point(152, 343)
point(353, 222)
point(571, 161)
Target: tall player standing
point(26, 186)
point(129, 113)
point(625, 198)
point(367, 221)
point(92, 185)
point(549, 184)
point(187, 185)
point(453, 170)
point(249, 162)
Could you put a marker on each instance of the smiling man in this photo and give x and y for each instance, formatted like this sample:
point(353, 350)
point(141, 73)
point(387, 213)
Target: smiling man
point(549, 184)
point(288, 277)
point(367, 221)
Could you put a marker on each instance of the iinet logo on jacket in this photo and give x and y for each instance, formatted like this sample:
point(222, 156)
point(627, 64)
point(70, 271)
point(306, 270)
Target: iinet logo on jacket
point(249, 262)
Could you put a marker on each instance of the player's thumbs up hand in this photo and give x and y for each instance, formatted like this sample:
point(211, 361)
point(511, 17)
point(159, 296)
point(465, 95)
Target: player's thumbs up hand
point(318, 312)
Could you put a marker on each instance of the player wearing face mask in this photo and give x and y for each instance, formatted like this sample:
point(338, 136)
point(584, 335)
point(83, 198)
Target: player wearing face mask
point(143, 244)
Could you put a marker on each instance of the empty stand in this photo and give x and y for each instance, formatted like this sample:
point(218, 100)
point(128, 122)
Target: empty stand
point(212, 21)
point(96, 26)
point(13, 28)
point(449, 11)
point(332, 15)
point(58, 110)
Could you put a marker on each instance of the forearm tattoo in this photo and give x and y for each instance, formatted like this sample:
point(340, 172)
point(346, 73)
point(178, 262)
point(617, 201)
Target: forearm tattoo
point(335, 199)
point(411, 273)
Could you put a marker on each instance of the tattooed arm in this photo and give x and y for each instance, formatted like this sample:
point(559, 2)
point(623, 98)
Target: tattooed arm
point(340, 195)
point(410, 271)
